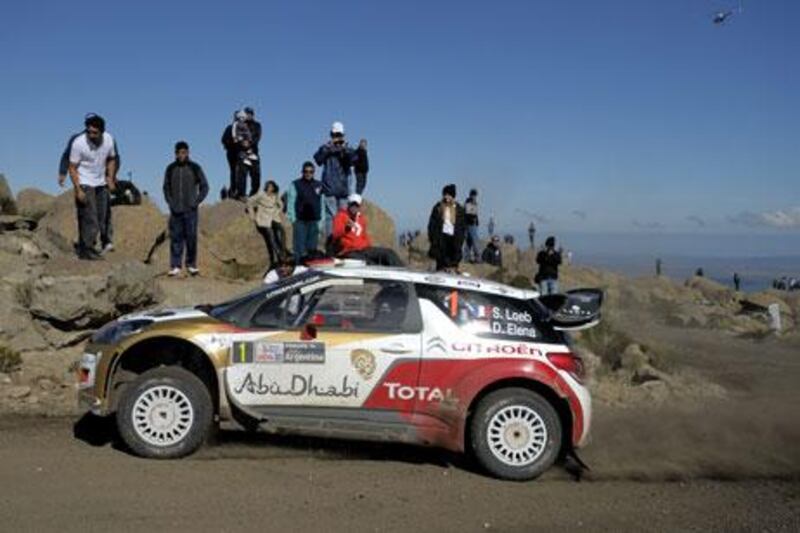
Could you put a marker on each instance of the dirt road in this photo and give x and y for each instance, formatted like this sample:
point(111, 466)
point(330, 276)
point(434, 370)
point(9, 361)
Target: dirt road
point(728, 464)
point(51, 480)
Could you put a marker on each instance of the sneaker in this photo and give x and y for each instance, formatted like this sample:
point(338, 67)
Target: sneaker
point(107, 248)
point(193, 271)
point(89, 255)
point(174, 272)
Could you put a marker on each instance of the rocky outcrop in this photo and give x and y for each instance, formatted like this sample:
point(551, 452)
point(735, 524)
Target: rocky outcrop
point(34, 203)
point(8, 206)
point(136, 228)
point(79, 301)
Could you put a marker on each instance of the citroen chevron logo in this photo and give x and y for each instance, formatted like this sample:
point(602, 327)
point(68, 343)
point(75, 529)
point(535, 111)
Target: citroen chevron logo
point(436, 343)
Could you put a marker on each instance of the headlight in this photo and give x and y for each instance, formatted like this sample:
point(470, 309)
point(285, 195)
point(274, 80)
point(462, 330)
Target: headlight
point(113, 332)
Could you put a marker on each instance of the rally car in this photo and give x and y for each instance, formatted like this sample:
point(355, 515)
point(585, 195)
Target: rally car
point(357, 352)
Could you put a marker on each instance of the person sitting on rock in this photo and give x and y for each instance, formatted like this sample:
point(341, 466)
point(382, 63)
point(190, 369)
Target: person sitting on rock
point(265, 209)
point(185, 188)
point(285, 268)
point(492, 254)
point(351, 240)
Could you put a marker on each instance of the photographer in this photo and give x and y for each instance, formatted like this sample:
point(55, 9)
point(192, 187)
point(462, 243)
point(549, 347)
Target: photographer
point(548, 260)
point(337, 159)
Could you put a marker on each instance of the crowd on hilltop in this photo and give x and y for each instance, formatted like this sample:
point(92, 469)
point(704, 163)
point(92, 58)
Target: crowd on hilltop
point(332, 204)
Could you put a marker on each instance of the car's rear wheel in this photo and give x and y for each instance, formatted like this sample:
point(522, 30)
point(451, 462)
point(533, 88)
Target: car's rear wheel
point(165, 413)
point(515, 434)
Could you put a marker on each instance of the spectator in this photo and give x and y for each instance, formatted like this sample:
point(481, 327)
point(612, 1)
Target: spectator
point(699, 272)
point(737, 281)
point(304, 210)
point(490, 227)
point(265, 209)
point(92, 169)
point(287, 266)
point(337, 159)
point(351, 239)
point(471, 219)
point(658, 266)
point(446, 230)
point(548, 260)
point(492, 253)
point(532, 235)
point(107, 230)
point(232, 155)
point(185, 188)
point(361, 167)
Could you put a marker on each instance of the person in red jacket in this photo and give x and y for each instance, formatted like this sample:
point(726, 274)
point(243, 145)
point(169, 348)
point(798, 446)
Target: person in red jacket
point(351, 239)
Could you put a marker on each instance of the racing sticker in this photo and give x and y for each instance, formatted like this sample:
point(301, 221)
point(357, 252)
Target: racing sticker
point(263, 352)
point(297, 386)
point(512, 322)
point(364, 363)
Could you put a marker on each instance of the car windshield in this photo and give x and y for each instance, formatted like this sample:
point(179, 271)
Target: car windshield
point(228, 311)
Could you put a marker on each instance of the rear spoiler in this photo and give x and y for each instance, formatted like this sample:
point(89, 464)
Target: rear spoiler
point(577, 309)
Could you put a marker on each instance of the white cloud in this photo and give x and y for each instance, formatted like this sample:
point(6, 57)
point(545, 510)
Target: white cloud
point(782, 218)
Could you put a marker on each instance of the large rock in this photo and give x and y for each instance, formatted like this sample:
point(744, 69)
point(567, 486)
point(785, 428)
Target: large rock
point(764, 299)
point(7, 204)
point(381, 226)
point(136, 227)
point(34, 203)
point(79, 301)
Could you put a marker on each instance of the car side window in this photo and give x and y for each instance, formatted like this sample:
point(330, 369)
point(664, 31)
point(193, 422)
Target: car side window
point(279, 312)
point(375, 305)
point(486, 315)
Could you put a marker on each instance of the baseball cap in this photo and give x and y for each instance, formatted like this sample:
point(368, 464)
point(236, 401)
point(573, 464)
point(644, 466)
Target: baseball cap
point(337, 127)
point(354, 199)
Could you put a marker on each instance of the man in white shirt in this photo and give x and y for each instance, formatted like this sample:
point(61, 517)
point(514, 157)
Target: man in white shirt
point(92, 169)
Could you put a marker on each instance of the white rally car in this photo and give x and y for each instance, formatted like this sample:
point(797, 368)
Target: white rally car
point(358, 352)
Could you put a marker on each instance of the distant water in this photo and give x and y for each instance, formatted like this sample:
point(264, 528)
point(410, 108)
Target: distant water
point(756, 273)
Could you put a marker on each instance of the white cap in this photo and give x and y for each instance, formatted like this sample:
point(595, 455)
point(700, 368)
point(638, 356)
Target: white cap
point(354, 199)
point(337, 127)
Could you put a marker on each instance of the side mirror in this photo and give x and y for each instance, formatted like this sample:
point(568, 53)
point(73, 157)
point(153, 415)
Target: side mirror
point(309, 333)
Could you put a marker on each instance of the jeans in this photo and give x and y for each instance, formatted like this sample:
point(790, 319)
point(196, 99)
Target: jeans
point(332, 206)
point(92, 215)
point(183, 236)
point(306, 236)
point(472, 252)
point(548, 286)
point(240, 178)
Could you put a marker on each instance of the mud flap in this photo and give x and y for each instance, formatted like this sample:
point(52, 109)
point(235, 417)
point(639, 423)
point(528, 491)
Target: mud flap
point(575, 466)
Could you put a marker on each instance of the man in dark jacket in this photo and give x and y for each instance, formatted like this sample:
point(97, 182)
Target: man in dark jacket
point(446, 230)
point(337, 160)
point(492, 253)
point(305, 211)
point(233, 153)
point(548, 260)
point(185, 188)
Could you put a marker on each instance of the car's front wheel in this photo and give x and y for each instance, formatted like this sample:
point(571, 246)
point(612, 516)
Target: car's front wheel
point(165, 413)
point(515, 434)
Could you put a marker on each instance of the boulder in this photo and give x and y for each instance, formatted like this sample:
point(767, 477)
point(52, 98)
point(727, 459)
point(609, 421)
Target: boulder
point(633, 358)
point(34, 203)
point(24, 245)
point(214, 217)
point(16, 223)
point(381, 226)
point(8, 205)
point(79, 301)
point(136, 228)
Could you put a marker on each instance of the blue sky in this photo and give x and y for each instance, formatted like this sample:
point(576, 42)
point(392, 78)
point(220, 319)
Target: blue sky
point(635, 116)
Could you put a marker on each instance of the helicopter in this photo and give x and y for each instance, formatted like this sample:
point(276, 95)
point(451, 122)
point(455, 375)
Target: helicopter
point(721, 17)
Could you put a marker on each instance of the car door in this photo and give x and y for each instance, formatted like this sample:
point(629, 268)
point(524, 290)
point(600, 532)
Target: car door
point(342, 339)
